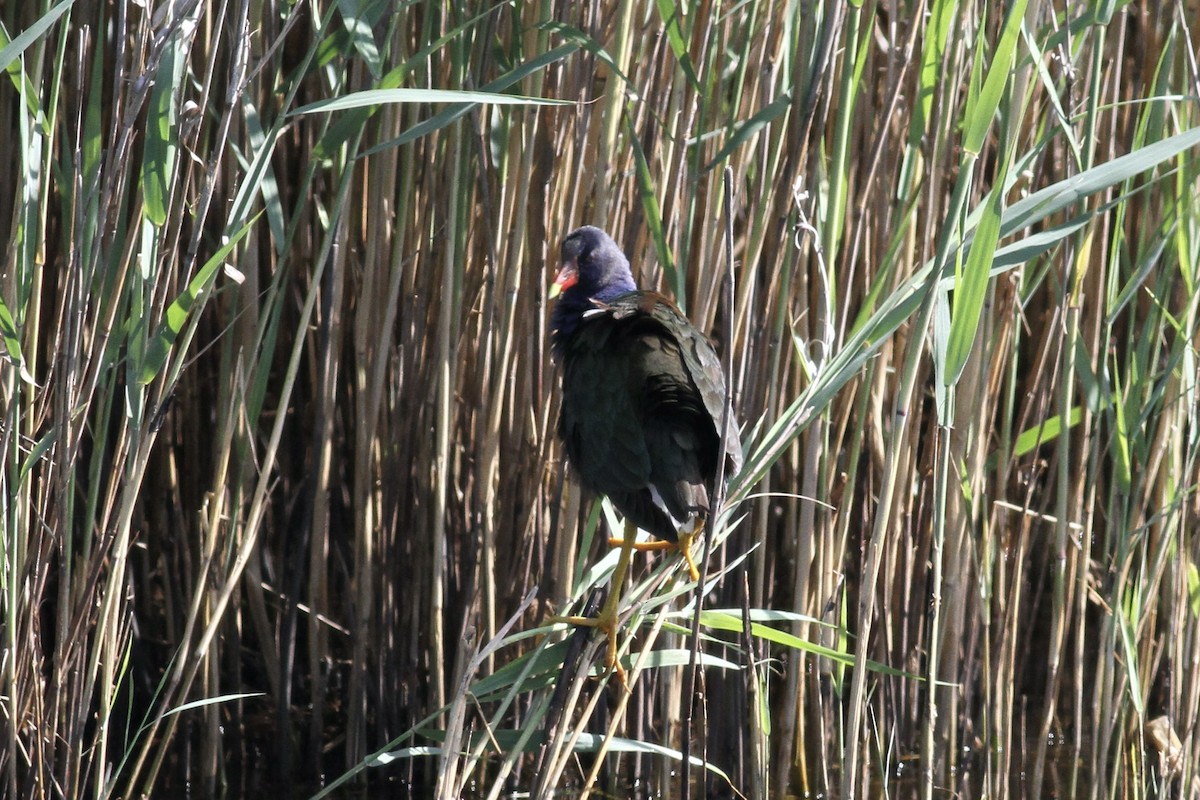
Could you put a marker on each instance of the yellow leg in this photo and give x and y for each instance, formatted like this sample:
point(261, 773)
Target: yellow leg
point(608, 619)
point(683, 544)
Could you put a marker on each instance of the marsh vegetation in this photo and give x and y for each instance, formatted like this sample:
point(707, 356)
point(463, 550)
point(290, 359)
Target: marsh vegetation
point(280, 477)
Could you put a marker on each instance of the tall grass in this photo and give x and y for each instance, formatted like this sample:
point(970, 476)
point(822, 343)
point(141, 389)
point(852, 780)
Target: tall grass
point(280, 477)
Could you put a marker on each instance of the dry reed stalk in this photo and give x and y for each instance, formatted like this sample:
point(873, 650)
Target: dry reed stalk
point(189, 467)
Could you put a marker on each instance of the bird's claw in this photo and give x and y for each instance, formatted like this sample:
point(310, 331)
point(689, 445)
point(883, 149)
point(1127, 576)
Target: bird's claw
point(683, 544)
point(685, 549)
point(606, 622)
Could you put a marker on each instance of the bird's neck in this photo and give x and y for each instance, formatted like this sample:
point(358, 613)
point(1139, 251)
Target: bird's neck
point(571, 306)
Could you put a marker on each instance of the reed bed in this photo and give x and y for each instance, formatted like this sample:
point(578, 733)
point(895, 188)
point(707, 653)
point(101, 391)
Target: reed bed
point(282, 503)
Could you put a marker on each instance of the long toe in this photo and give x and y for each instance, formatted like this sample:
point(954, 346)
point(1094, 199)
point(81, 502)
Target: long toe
point(647, 547)
point(608, 622)
point(611, 662)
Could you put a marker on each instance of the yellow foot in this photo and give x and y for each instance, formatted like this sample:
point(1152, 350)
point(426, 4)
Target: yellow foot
point(683, 545)
point(607, 624)
point(685, 549)
point(644, 547)
point(608, 619)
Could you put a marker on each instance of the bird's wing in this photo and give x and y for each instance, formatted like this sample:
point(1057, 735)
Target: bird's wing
point(704, 368)
point(643, 396)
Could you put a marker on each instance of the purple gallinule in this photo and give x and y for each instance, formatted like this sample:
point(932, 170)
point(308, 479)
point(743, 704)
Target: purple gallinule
point(643, 394)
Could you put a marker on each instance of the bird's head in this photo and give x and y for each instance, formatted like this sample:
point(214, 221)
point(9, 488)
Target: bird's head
point(593, 267)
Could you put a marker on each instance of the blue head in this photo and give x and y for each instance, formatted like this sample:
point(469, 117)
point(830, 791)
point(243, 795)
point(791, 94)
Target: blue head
point(593, 268)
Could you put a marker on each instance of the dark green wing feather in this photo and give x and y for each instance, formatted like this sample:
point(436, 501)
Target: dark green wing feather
point(704, 367)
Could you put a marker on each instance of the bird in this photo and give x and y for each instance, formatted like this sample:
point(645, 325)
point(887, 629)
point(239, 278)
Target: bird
point(643, 398)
